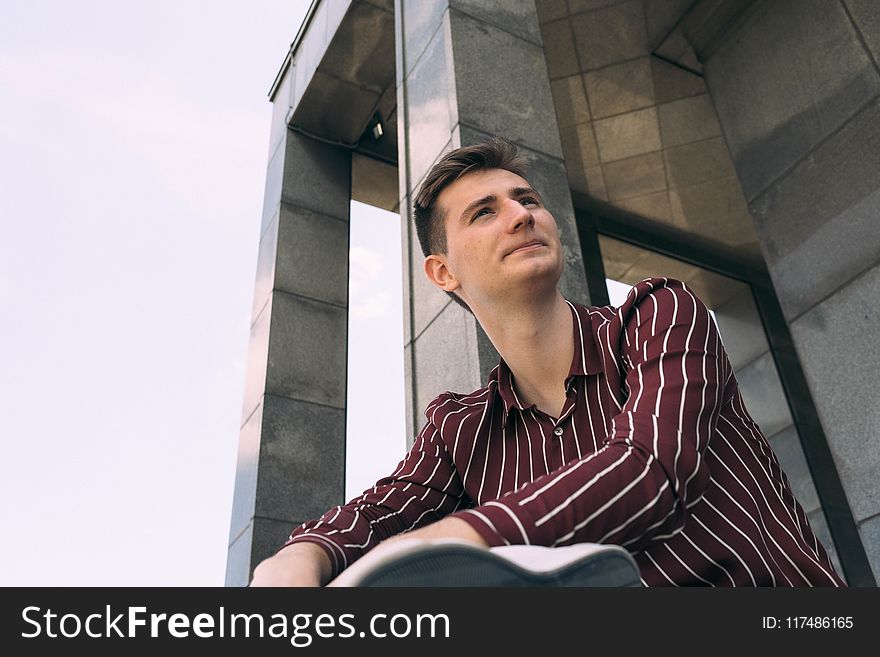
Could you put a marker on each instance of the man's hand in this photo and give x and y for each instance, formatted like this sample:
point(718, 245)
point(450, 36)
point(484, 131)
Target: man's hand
point(450, 527)
point(299, 564)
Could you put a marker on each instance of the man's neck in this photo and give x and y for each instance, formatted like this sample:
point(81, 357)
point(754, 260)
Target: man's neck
point(536, 340)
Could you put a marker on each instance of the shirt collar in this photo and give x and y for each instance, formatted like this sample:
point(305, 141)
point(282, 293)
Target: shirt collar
point(585, 360)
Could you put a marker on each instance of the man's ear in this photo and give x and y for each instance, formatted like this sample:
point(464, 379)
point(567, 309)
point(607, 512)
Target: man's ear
point(439, 274)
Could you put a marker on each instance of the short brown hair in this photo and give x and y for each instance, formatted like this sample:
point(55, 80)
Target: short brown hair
point(494, 153)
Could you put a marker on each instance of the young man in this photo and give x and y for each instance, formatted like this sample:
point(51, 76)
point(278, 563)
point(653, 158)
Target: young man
point(600, 424)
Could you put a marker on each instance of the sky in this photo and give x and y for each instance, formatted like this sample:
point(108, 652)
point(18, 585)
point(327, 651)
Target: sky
point(133, 149)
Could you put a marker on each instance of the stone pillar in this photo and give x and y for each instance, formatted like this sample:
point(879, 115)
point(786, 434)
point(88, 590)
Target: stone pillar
point(291, 461)
point(797, 90)
point(467, 70)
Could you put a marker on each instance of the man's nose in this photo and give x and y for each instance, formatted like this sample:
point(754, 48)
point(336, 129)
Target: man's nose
point(518, 216)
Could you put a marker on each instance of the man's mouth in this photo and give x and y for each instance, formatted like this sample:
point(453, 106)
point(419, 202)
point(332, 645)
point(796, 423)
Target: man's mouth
point(528, 245)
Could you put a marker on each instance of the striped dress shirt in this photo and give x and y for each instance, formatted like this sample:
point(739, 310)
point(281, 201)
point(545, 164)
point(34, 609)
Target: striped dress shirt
point(654, 450)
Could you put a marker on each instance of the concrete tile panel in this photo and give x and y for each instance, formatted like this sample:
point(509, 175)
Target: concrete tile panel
point(661, 17)
point(620, 88)
point(570, 101)
point(246, 471)
point(716, 290)
point(627, 135)
point(677, 217)
point(281, 104)
point(374, 182)
point(869, 530)
point(265, 277)
point(257, 362)
point(866, 16)
point(778, 103)
point(414, 420)
point(433, 106)
point(446, 357)
point(559, 49)
point(387, 5)
point(580, 6)
point(650, 206)
point(577, 179)
point(672, 83)
point(688, 120)
point(488, 355)
point(238, 559)
point(611, 35)
point(829, 257)
point(551, 10)
point(312, 255)
point(579, 146)
point(762, 391)
point(690, 164)
point(409, 251)
point(272, 189)
point(362, 47)
point(514, 16)
point(307, 350)
point(717, 210)
point(302, 460)
point(427, 300)
point(838, 348)
point(741, 329)
point(502, 85)
point(823, 534)
point(309, 52)
point(421, 21)
point(618, 257)
point(635, 176)
point(595, 183)
point(317, 177)
point(818, 225)
point(787, 446)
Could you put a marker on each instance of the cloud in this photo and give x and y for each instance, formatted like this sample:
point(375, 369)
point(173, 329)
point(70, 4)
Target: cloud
point(190, 144)
point(366, 268)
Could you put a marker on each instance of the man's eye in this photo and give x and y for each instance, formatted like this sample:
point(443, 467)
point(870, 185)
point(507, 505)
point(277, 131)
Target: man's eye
point(529, 200)
point(481, 212)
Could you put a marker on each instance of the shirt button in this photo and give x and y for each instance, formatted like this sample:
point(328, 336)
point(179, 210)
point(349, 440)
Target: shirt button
point(558, 431)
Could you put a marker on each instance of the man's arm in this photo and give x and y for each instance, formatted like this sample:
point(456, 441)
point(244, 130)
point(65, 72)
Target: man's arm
point(299, 564)
point(651, 469)
point(449, 527)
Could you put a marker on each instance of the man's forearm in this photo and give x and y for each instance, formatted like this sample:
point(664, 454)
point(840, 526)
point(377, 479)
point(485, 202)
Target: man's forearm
point(449, 527)
point(298, 564)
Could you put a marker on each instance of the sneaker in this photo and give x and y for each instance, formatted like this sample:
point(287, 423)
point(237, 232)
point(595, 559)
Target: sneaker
point(454, 563)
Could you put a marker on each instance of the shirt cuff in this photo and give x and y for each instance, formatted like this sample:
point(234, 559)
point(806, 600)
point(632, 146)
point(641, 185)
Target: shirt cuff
point(337, 557)
point(496, 524)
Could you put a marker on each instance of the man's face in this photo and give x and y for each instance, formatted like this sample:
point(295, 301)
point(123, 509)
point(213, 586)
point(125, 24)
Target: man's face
point(498, 235)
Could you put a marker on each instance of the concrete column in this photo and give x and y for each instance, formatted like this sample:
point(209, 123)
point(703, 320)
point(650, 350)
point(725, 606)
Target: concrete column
point(467, 70)
point(291, 461)
point(797, 89)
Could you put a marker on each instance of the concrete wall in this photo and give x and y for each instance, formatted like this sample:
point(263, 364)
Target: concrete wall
point(797, 89)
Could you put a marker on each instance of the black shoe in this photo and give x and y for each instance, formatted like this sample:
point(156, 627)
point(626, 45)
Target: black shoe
point(454, 563)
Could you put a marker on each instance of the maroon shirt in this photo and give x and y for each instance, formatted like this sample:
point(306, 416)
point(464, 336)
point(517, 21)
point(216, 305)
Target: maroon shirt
point(654, 451)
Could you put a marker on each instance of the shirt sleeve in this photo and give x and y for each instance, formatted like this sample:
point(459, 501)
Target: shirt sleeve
point(639, 485)
point(425, 487)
